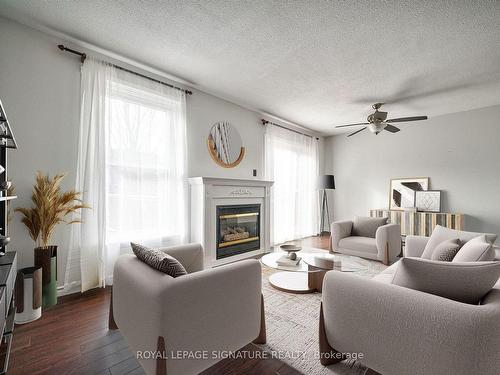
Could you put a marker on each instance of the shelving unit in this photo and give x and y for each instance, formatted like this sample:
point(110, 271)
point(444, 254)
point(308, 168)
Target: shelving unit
point(8, 260)
point(2, 199)
point(420, 223)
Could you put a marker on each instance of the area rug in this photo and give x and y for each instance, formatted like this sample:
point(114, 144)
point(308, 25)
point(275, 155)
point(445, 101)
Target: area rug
point(292, 327)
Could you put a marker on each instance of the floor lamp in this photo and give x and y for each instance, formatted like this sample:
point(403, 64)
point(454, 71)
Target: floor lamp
point(325, 182)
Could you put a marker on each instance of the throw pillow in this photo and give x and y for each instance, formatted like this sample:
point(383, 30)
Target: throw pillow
point(446, 250)
point(440, 234)
point(367, 226)
point(466, 282)
point(158, 260)
point(476, 250)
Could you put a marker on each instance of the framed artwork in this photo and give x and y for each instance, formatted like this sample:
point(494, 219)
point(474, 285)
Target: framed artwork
point(428, 201)
point(402, 191)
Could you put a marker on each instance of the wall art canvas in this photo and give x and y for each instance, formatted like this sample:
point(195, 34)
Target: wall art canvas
point(428, 201)
point(402, 192)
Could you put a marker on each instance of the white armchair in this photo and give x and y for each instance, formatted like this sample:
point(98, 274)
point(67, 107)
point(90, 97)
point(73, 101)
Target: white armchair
point(404, 331)
point(203, 312)
point(382, 243)
point(414, 246)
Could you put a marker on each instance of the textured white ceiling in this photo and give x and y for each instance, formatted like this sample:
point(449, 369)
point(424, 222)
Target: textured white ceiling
point(316, 63)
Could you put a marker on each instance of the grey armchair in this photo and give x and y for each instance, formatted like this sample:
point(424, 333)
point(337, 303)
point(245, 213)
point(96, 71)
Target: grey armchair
point(367, 237)
point(402, 331)
point(206, 311)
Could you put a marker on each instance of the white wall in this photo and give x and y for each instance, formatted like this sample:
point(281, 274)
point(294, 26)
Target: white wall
point(203, 110)
point(39, 86)
point(460, 153)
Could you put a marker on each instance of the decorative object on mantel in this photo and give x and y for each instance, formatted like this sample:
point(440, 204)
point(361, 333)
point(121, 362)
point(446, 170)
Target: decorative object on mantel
point(420, 223)
point(324, 183)
point(51, 206)
point(402, 191)
point(428, 201)
point(225, 145)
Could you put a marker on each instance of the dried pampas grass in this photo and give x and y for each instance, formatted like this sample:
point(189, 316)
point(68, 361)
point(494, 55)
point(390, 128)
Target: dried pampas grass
point(51, 206)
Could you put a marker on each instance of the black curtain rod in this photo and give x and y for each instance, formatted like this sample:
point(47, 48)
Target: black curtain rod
point(265, 122)
point(83, 56)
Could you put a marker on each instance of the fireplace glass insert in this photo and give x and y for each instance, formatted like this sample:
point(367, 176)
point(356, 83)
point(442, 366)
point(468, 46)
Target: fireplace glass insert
point(238, 229)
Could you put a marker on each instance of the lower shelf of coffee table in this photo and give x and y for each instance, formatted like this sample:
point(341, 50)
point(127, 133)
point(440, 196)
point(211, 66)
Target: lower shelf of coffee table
point(291, 282)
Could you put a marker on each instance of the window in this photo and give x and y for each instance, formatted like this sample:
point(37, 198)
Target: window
point(292, 163)
point(145, 174)
point(131, 169)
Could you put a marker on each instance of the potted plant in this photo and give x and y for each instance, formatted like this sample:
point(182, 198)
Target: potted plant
point(51, 207)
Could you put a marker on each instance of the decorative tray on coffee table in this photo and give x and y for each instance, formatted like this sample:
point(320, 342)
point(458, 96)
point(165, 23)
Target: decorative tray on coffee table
point(290, 249)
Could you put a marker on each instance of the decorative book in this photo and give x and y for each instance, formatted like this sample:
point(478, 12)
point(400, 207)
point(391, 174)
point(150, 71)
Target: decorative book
point(286, 261)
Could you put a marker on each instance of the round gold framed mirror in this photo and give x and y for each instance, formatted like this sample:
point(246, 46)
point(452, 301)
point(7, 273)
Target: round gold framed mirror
point(225, 145)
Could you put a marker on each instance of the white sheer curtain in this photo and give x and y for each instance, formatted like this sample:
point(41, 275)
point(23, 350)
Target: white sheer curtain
point(291, 161)
point(131, 168)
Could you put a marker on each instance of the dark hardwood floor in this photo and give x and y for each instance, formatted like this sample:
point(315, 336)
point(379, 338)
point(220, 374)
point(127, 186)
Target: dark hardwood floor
point(73, 338)
point(321, 242)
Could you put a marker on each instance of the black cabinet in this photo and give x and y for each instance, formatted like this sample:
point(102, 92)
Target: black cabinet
point(8, 272)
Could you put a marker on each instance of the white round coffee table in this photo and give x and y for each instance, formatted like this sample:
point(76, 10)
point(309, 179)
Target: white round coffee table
point(307, 276)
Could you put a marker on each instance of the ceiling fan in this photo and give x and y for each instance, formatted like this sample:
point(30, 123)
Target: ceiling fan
point(377, 121)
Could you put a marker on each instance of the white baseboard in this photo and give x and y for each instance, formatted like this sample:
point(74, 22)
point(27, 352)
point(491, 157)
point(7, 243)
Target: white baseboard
point(74, 287)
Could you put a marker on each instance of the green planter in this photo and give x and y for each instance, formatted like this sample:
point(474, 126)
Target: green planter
point(46, 257)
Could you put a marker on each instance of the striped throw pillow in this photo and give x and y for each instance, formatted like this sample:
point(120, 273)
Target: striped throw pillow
point(159, 260)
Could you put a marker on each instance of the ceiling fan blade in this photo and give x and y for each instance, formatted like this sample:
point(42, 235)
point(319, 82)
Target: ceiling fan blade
point(357, 131)
point(404, 119)
point(391, 128)
point(361, 123)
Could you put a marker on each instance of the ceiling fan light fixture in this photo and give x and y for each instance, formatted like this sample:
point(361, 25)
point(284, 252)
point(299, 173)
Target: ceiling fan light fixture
point(376, 128)
point(380, 116)
point(377, 121)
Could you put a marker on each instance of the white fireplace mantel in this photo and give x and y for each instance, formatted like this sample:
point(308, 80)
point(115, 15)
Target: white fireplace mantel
point(209, 192)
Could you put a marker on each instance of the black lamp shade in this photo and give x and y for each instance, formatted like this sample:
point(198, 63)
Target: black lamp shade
point(326, 181)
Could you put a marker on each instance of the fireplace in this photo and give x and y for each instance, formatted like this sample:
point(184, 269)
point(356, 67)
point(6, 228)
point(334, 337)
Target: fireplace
point(212, 198)
point(238, 229)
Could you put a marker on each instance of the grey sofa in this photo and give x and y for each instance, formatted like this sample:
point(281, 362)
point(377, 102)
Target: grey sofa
point(370, 238)
point(403, 331)
point(206, 311)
